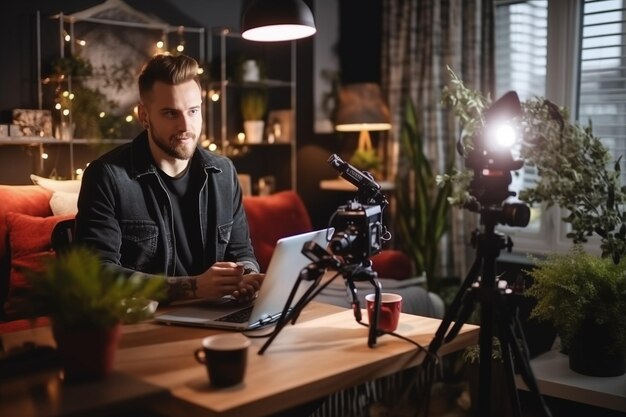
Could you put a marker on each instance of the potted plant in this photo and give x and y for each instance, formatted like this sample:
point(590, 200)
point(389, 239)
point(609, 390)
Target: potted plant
point(87, 303)
point(253, 108)
point(584, 296)
point(422, 206)
point(576, 173)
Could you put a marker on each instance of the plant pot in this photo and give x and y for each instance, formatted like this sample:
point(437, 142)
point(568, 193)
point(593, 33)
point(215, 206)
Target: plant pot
point(88, 353)
point(254, 130)
point(588, 353)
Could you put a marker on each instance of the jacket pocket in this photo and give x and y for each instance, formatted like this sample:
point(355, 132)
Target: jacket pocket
point(223, 237)
point(139, 244)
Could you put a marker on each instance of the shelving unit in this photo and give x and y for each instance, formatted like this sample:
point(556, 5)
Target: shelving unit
point(223, 119)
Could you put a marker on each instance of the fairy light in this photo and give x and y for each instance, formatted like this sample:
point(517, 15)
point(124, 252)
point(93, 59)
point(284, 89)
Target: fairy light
point(102, 114)
point(71, 96)
point(181, 39)
point(241, 137)
point(66, 93)
point(160, 44)
point(57, 106)
point(215, 96)
point(66, 112)
point(44, 155)
point(81, 42)
point(200, 71)
point(129, 118)
point(67, 37)
point(213, 147)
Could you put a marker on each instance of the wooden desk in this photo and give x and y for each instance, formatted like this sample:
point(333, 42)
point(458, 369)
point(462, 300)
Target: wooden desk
point(326, 351)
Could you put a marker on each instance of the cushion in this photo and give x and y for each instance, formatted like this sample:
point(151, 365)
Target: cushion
point(29, 240)
point(27, 199)
point(68, 186)
point(272, 217)
point(62, 203)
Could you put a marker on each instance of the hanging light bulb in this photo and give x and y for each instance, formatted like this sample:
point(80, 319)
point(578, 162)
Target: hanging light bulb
point(66, 112)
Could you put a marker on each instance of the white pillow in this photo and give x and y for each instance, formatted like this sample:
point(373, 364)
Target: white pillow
point(68, 186)
point(62, 203)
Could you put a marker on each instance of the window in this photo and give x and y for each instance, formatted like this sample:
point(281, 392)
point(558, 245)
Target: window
point(571, 52)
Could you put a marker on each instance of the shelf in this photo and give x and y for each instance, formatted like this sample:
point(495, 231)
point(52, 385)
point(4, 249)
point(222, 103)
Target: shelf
point(551, 370)
point(341, 184)
point(251, 84)
point(35, 140)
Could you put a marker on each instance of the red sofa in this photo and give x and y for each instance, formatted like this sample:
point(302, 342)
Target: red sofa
point(26, 223)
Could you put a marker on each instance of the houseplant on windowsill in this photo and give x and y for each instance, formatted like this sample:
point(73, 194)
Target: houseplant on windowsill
point(575, 172)
point(87, 303)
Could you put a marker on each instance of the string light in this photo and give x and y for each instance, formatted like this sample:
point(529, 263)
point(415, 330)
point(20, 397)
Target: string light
point(102, 114)
point(66, 112)
point(129, 118)
point(215, 95)
point(181, 39)
point(44, 155)
point(67, 37)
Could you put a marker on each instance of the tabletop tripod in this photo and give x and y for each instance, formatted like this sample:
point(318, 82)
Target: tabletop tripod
point(497, 308)
point(351, 272)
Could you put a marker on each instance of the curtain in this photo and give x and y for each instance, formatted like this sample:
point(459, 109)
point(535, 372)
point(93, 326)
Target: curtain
point(420, 39)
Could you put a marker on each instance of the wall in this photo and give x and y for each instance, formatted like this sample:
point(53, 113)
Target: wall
point(18, 82)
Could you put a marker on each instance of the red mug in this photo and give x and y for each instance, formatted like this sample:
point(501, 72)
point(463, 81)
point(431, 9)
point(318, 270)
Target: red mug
point(390, 308)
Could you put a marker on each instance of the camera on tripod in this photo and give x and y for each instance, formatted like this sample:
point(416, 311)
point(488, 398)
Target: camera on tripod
point(492, 161)
point(358, 224)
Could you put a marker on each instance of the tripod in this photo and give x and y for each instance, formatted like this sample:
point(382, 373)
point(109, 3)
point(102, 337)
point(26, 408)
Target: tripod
point(350, 271)
point(497, 308)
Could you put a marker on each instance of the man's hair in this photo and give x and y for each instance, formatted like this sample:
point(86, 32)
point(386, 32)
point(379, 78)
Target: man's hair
point(168, 69)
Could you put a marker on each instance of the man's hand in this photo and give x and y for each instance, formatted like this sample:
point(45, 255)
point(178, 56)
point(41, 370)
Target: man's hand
point(221, 279)
point(248, 287)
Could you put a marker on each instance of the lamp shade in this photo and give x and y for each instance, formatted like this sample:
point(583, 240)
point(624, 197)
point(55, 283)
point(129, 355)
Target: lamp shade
point(277, 20)
point(361, 107)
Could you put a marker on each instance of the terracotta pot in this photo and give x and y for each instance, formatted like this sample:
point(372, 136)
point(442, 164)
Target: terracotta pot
point(588, 354)
point(87, 354)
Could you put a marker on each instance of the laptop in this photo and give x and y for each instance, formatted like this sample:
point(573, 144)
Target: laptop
point(282, 273)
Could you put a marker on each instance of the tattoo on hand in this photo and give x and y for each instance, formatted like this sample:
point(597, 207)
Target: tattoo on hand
point(180, 288)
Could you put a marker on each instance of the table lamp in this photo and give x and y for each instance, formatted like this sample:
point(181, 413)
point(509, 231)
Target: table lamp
point(361, 108)
point(277, 20)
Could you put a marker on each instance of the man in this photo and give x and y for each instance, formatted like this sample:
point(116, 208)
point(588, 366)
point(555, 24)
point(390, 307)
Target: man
point(164, 207)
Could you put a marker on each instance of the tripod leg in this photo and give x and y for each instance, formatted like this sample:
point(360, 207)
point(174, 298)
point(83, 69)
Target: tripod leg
point(466, 311)
point(521, 352)
point(505, 342)
point(452, 312)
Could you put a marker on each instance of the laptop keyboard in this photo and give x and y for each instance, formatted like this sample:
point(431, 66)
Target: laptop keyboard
point(239, 316)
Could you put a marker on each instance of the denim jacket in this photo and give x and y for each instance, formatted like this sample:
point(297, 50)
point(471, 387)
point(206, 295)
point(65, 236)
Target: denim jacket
point(125, 214)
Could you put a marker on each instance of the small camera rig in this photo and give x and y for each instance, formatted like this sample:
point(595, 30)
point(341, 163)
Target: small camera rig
point(358, 234)
point(358, 224)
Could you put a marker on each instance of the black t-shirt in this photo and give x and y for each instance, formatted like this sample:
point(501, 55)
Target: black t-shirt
point(183, 193)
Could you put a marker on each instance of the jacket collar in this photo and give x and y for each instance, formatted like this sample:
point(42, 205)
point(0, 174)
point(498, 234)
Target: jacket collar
point(142, 162)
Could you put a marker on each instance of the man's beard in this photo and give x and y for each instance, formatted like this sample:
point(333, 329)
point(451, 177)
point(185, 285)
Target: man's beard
point(180, 151)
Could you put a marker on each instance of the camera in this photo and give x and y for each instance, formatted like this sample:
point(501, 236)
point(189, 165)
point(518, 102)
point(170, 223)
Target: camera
point(492, 162)
point(358, 224)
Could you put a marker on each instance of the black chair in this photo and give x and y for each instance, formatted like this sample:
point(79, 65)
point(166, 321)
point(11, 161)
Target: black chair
point(63, 235)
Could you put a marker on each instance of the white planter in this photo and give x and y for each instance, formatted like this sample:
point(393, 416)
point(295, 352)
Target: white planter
point(254, 130)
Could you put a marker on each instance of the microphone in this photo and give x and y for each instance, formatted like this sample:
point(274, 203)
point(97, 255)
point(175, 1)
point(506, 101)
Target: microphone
point(362, 180)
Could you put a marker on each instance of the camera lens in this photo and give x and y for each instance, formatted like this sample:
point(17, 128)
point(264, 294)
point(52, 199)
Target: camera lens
point(515, 214)
point(341, 242)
